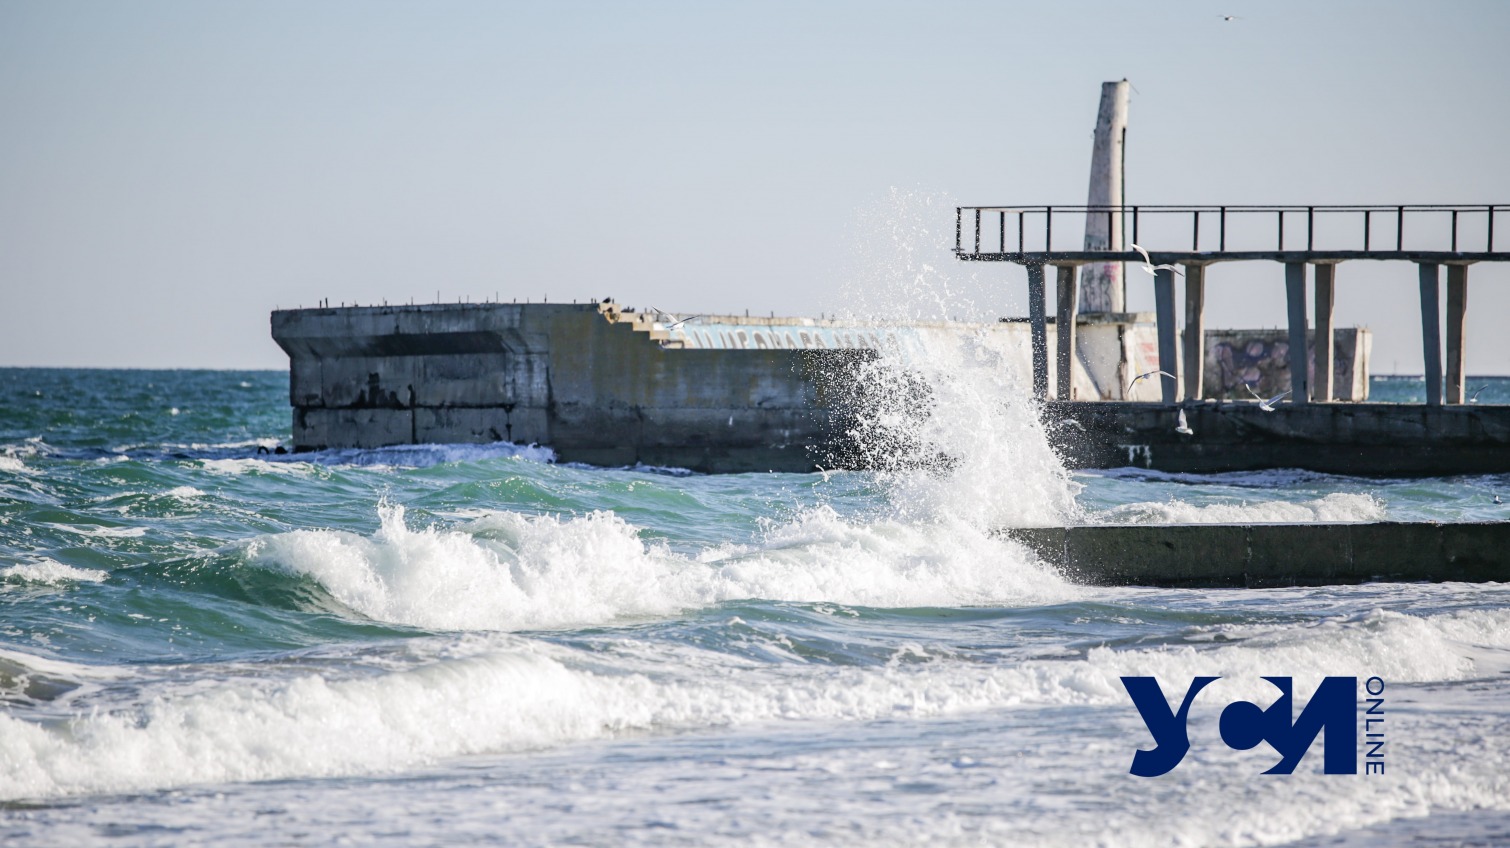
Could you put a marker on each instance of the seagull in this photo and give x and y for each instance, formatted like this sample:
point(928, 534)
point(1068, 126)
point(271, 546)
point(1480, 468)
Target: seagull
point(1182, 427)
point(1230, 18)
point(1151, 268)
point(1267, 405)
point(1475, 398)
point(1497, 499)
point(674, 322)
point(1143, 377)
point(1070, 422)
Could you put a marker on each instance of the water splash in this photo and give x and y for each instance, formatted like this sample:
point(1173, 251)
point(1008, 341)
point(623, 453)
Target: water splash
point(945, 413)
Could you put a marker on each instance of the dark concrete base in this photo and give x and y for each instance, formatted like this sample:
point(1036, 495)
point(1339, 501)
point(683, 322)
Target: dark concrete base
point(1265, 555)
point(1364, 439)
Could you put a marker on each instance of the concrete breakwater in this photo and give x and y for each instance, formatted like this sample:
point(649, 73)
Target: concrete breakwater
point(1267, 555)
point(604, 385)
point(608, 386)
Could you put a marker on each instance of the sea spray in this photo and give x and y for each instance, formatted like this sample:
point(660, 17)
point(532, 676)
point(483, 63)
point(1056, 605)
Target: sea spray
point(943, 411)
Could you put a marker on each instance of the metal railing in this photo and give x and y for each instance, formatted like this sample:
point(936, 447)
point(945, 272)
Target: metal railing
point(1373, 229)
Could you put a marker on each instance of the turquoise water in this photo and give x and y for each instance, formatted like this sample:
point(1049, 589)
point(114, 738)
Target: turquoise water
point(201, 642)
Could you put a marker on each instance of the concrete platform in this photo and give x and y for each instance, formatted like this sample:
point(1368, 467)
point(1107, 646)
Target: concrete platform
point(1269, 555)
point(1362, 439)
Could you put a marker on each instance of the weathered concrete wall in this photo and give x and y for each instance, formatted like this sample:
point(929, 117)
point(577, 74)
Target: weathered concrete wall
point(1351, 438)
point(610, 387)
point(603, 385)
point(1261, 358)
point(597, 390)
point(1261, 555)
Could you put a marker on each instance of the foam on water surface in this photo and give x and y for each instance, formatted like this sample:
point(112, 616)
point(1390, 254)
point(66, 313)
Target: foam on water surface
point(504, 693)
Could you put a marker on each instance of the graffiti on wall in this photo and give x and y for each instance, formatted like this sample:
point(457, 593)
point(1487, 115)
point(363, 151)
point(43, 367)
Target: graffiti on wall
point(1261, 359)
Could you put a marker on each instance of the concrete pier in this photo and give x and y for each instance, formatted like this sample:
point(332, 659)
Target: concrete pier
point(1362, 439)
point(1272, 555)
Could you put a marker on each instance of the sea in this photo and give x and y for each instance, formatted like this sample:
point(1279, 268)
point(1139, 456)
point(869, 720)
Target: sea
point(206, 642)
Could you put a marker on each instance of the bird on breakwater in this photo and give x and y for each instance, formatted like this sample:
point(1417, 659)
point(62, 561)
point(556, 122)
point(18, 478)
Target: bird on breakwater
point(1475, 397)
point(1135, 380)
point(1181, 426)
point(1148, 265)
point(1266, 405)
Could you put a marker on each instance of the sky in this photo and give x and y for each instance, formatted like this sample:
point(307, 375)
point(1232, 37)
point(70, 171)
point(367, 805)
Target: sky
point(171, 172)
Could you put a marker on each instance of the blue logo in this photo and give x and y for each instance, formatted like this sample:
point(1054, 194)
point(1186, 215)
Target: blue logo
point(1332, 710)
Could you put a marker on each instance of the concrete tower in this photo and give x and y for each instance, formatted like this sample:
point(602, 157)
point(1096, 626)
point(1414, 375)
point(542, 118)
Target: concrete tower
point(1102, 288)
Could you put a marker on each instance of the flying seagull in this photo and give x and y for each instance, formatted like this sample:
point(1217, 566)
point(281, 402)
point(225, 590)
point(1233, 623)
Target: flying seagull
point(1151, 268)
point(1266, 405)
point(1230, 18)
point(674, 321)
point(1182, 427)
point(1135, 380)
point(1475, 398)
point(1497, 499)
point(1070, 422)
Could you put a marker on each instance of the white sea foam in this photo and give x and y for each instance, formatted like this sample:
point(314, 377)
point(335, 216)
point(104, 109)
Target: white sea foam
point(428, 454)
point(12, 465)
point(184, 493)
point(51, 572)
point(502, 693)
point(507, 571)
point(1336, 507)
point(99, 532)
point(237, 467)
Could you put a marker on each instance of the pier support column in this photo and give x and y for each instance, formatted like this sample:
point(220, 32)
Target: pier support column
point(1037, 320)
point(1326, 275)
point(1431, 333)
point(1169, 360)
point(1195, 330)
point(1300, 360)
point(1064, 331)
point(1457, 315)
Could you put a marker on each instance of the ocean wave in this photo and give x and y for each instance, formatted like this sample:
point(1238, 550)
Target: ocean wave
point(509, 571)
point(1336, 507)
point(503, 693)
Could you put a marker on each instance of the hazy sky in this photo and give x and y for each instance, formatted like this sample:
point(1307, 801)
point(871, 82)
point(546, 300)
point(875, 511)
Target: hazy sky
point(172, 171)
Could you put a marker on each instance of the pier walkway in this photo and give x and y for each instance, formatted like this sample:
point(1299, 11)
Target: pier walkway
point(1431, 236)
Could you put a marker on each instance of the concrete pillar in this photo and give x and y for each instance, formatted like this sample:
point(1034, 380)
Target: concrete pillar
point(1163, 294)
point(1195, 330)
point(1064, 331)
point(1457, 315)
point(1037, 320)
point(1326, 275)
point(1431, 333)
point(1295, 297)
point(1101, 284)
